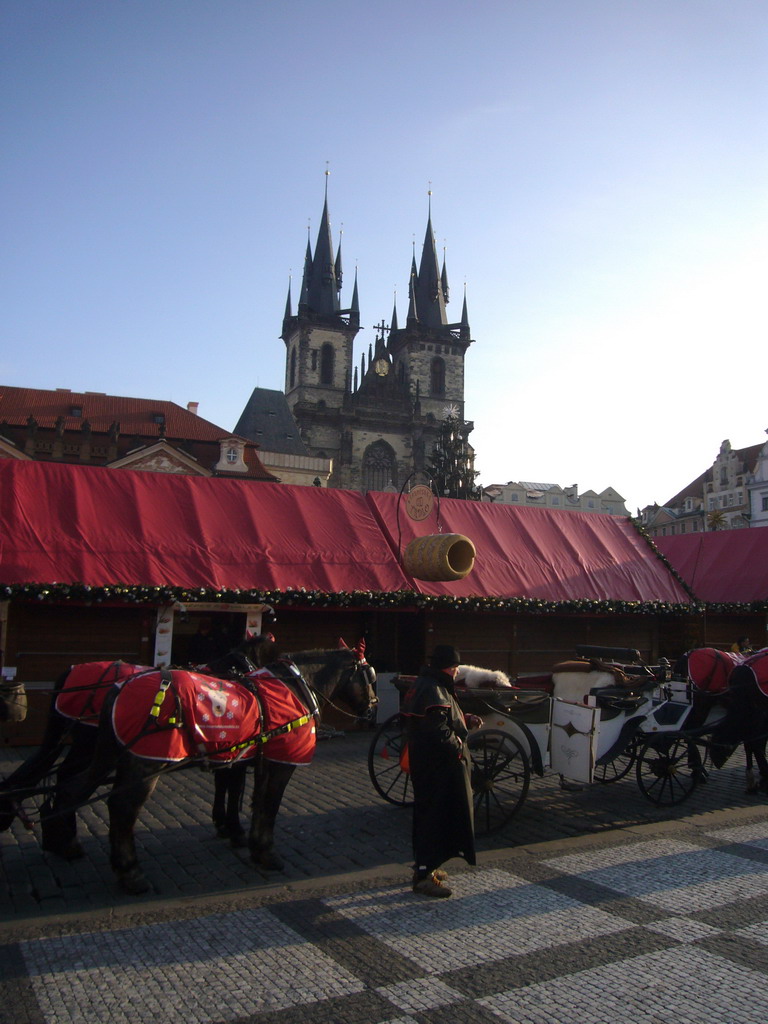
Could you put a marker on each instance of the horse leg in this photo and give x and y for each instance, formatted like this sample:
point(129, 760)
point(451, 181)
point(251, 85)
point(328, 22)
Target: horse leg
point(134, 784)
point(61, 837)
point(58, 814)
point(99, 750)
point(33, 770)
point(758, 751)
point(752, 777)
point(229, 786)
point(270, 780)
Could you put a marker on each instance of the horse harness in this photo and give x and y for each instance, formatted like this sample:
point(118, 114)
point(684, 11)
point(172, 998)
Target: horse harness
point(177, 720)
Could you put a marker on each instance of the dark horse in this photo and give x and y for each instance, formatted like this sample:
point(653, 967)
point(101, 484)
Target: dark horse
point(747, 718)
point(332, 675)
point(160, 705)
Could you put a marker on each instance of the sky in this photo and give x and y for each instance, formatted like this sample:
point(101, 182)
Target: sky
point(598, 173)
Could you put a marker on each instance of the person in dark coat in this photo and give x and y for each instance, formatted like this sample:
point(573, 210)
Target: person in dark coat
point(439, 763)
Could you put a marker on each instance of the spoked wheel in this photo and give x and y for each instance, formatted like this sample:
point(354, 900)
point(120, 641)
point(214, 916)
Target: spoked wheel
point(387, 775)
point(668, 770)
point(501, 775)
point(616, 769)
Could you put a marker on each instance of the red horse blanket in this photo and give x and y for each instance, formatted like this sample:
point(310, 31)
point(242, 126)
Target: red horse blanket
point(758, 665)
point(86, 686)
point(709, 669)
point(175, 715)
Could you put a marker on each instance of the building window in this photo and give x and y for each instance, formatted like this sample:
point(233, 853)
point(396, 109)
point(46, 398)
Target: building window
point(327, 356)
point(292, 375)
point(378, 467)
point(764, 503)
point(232, 455)
point(437, 377)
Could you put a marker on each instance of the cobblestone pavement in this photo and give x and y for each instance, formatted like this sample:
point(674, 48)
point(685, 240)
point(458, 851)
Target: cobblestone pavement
point(588, 907)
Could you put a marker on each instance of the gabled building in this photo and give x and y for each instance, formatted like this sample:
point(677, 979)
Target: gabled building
point(608, 502)
point(719, 499)
point(377, 422)
point(757, 486)
point(95, 429)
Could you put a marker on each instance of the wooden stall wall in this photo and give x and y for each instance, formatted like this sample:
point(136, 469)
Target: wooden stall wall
point(721, 629)
point(44, 640)
point(521, 644)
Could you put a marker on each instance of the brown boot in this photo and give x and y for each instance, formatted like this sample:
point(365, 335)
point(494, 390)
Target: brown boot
point(432, 885)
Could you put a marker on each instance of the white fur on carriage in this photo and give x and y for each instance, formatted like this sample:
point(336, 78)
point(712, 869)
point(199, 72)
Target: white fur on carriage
point(475, 678)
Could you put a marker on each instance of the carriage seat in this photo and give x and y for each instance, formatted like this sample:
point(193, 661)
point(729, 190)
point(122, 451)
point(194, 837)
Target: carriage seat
point(617, 697)
point(541, 682)
point(617, 654)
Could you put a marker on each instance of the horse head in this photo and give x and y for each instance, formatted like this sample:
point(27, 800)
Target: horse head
point(341, 675)
point(357, 682)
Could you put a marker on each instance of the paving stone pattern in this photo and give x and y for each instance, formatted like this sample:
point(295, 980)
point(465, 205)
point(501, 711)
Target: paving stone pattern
point(589, 908)
point(633, 931)
point(332, 821)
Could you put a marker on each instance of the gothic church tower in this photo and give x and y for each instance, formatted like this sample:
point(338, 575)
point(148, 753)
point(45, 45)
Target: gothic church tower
point(318, 343)
point(429, 348)
point(378, 422)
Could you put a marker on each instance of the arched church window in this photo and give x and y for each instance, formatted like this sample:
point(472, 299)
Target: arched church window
point(292, 378)
point(327, 356)
point(379, 467)
point(437, 377)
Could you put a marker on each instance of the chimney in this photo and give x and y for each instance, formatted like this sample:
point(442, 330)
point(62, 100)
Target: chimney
point(192, 407)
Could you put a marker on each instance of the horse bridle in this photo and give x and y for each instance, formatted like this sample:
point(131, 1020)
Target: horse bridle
point(361, 667)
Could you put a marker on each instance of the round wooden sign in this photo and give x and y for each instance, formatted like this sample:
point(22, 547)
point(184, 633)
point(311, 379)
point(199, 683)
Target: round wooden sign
point(419, 502)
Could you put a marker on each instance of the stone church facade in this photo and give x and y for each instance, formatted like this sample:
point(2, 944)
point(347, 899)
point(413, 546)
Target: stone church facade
point(377, 422)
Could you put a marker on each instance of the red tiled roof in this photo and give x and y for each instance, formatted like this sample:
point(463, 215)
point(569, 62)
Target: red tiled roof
point(135, 415)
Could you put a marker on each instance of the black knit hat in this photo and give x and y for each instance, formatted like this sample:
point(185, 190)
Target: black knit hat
point(444, 656)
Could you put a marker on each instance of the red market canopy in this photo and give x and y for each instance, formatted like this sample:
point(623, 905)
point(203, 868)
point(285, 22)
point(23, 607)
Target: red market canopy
point(100, 527)
point(64, 524)
point(721, 566)
point(541, 554)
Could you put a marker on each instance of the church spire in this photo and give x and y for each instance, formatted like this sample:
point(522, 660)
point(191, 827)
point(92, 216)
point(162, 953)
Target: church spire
point(321, 286)
point(464, 326)
point(428, 284)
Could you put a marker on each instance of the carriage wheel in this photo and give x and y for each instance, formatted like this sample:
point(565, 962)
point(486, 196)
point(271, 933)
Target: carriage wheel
point(666, 772)
point(388, 778)
point(501, 775)
point(616, 769)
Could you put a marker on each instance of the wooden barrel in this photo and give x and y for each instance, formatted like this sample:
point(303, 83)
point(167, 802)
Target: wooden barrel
point(441, 556)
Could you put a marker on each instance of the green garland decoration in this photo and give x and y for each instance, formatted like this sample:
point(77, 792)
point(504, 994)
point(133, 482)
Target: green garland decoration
point(663, 558)
point(120, 593)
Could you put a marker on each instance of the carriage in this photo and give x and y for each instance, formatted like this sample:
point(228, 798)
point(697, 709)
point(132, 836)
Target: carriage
point(651, 720)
